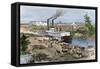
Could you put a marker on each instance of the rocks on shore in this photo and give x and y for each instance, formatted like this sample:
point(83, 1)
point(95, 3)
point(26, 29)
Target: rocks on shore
point(58, 51)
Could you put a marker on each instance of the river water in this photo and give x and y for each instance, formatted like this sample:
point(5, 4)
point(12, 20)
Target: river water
point(83, 42)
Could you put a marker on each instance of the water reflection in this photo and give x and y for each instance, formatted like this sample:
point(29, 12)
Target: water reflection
point(83, 42)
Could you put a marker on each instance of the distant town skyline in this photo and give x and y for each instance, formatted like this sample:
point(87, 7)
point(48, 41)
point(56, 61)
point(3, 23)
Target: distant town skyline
point(34, 13)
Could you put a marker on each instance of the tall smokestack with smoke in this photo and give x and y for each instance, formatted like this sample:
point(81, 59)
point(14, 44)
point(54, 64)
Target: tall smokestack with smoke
point(48, 25)
point(55, 16)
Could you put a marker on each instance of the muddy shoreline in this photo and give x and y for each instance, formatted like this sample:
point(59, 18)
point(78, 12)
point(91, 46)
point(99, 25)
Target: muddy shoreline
point(42, 50)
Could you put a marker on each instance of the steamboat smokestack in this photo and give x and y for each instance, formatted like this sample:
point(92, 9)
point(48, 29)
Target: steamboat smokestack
point(55, 16)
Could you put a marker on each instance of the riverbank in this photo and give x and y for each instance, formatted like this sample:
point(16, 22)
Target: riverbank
point(42, 49)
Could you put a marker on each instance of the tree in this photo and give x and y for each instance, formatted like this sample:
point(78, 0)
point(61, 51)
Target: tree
point(88, 30)
point(83, 31)
point(87, 19)
point(24, 42)
point(89, 26)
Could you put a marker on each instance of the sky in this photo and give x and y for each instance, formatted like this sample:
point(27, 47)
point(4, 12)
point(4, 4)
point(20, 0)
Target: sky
point(37, 13)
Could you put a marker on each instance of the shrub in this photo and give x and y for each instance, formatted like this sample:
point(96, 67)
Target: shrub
point(24, 42)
